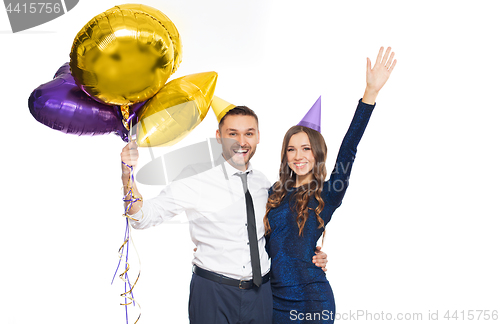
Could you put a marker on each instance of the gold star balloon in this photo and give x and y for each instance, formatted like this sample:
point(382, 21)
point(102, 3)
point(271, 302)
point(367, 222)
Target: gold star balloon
point(175, 110)
point(125, 54)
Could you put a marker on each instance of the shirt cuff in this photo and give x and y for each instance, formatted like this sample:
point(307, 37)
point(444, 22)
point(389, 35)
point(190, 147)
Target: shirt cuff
point(137, 217)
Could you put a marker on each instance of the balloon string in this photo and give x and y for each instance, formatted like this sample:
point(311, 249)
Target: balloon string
point(124, 248)
point(125, 114)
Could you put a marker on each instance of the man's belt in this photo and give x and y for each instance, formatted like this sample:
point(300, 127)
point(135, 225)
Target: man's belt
point(242, 284)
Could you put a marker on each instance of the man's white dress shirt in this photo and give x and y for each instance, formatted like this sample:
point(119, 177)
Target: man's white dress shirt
point(215, 206)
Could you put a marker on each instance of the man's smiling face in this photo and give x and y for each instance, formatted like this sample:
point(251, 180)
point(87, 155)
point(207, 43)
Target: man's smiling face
point(239, 136)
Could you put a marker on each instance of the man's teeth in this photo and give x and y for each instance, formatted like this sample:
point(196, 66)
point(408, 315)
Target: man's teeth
point(240, 151)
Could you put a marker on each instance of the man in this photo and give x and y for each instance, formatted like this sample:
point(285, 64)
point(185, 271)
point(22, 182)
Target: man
point(225, 206)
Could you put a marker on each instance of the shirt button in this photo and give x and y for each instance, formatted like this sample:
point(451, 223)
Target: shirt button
point(248, 243)
point(246, 224)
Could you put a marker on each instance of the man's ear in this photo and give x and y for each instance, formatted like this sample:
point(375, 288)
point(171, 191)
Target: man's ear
point(258, 137)
point(218, 137)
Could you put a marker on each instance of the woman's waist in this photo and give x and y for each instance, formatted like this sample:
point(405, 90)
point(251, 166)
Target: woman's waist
point(296, 274)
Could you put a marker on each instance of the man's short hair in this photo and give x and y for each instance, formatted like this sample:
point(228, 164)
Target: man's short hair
point(239, 110)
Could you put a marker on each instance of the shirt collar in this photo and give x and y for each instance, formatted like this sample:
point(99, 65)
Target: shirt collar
point(232, 170)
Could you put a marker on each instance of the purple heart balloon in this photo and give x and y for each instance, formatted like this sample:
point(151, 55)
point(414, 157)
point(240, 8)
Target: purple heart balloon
point(61, 105)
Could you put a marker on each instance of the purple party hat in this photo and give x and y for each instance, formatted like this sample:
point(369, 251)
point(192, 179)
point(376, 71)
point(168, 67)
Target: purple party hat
point(313, 117)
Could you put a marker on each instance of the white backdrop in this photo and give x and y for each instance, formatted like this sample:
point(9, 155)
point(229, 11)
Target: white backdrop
point(418, 228)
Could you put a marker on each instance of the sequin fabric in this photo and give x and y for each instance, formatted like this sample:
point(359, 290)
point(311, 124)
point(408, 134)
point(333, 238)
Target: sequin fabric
point(297, 284)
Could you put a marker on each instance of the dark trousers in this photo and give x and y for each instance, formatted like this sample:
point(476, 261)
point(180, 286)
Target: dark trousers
point(214, 303)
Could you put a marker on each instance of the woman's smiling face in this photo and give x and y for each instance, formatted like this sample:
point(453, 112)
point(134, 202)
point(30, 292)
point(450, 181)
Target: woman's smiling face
point(300, 156)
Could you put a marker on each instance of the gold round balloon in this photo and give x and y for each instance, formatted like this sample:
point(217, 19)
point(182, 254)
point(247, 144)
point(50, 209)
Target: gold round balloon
point(175, 110)
point(168, 24)
point(125, 54)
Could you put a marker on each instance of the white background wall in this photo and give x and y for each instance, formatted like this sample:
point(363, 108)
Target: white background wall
point(418, 228)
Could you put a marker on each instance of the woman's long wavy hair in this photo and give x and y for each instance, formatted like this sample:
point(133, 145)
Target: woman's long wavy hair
point(287, 180)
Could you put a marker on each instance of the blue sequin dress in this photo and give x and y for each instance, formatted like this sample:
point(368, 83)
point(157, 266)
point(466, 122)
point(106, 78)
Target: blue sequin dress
point(301, 292)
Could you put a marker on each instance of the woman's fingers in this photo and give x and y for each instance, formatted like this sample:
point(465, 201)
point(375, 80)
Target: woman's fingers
point(392, 66)
point(389, 62)
point(379, 56)
point(386, 56)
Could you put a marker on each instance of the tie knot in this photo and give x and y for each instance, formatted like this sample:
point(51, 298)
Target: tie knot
point(243, 177)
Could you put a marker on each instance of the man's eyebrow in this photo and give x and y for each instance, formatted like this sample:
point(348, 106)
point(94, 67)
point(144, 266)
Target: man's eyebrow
point(236, 130)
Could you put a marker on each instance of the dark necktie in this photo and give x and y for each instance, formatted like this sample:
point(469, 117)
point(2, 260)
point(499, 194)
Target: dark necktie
point(252, 233)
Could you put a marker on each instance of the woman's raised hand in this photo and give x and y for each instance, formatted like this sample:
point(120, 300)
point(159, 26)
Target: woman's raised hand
point(377, 76)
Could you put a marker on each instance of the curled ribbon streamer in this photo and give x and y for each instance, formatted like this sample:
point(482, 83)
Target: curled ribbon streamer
point(125, 113)
point(128, 294)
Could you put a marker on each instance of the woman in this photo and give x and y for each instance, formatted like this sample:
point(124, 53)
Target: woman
point(301, 203)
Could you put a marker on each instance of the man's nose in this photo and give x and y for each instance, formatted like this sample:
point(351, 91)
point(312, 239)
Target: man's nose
point(241, 139)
